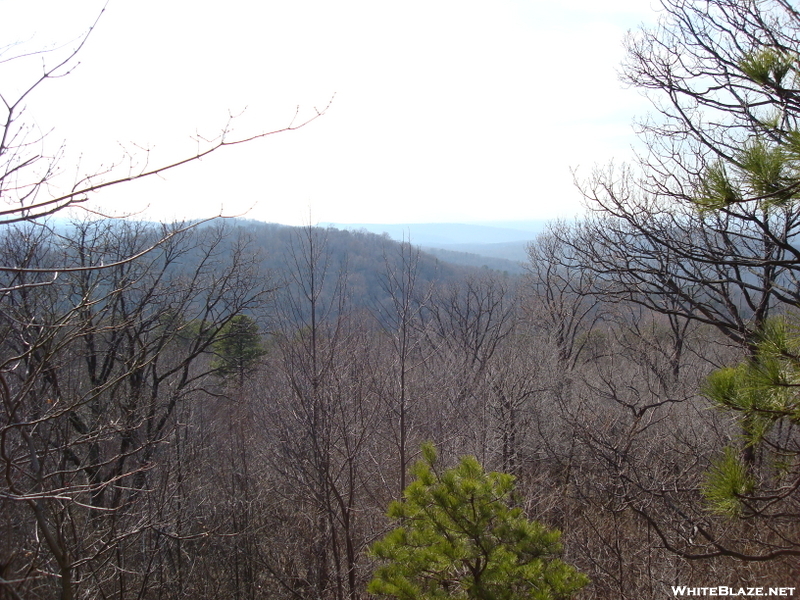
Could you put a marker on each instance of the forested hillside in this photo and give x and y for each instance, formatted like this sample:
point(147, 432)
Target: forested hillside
point(363, 256)
point(200, 418)
point(227, 409)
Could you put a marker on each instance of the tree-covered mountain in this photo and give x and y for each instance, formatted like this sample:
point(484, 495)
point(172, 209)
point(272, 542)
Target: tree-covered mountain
point(462, 242)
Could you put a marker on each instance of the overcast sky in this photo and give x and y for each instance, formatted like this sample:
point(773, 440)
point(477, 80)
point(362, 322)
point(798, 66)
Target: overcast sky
point(448, 111)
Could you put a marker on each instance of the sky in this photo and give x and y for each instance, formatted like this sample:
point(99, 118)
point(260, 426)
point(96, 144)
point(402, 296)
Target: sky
point(433, 110)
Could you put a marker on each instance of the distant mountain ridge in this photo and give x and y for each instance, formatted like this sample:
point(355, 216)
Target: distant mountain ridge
point(506, 240)
point(433, 234)
point(365, 254)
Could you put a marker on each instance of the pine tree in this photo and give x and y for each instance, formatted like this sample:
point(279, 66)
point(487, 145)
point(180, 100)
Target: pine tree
point(461, 535)
point(761, 392)
point(237, 348)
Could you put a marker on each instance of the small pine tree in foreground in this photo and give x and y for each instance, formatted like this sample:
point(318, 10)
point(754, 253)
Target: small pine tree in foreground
point(460, 535)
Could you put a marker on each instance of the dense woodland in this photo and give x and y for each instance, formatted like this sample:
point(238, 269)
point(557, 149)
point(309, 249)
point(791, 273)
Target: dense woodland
point(202, 422)
point(227, 409)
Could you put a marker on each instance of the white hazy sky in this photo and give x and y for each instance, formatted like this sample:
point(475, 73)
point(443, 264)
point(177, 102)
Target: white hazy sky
point(444, 110)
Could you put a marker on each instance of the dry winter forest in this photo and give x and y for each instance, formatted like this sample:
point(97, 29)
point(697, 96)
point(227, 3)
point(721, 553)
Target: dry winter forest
point(226, 409)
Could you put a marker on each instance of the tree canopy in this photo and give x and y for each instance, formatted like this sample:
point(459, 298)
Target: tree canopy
point(461, 535)
point(238, 347)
